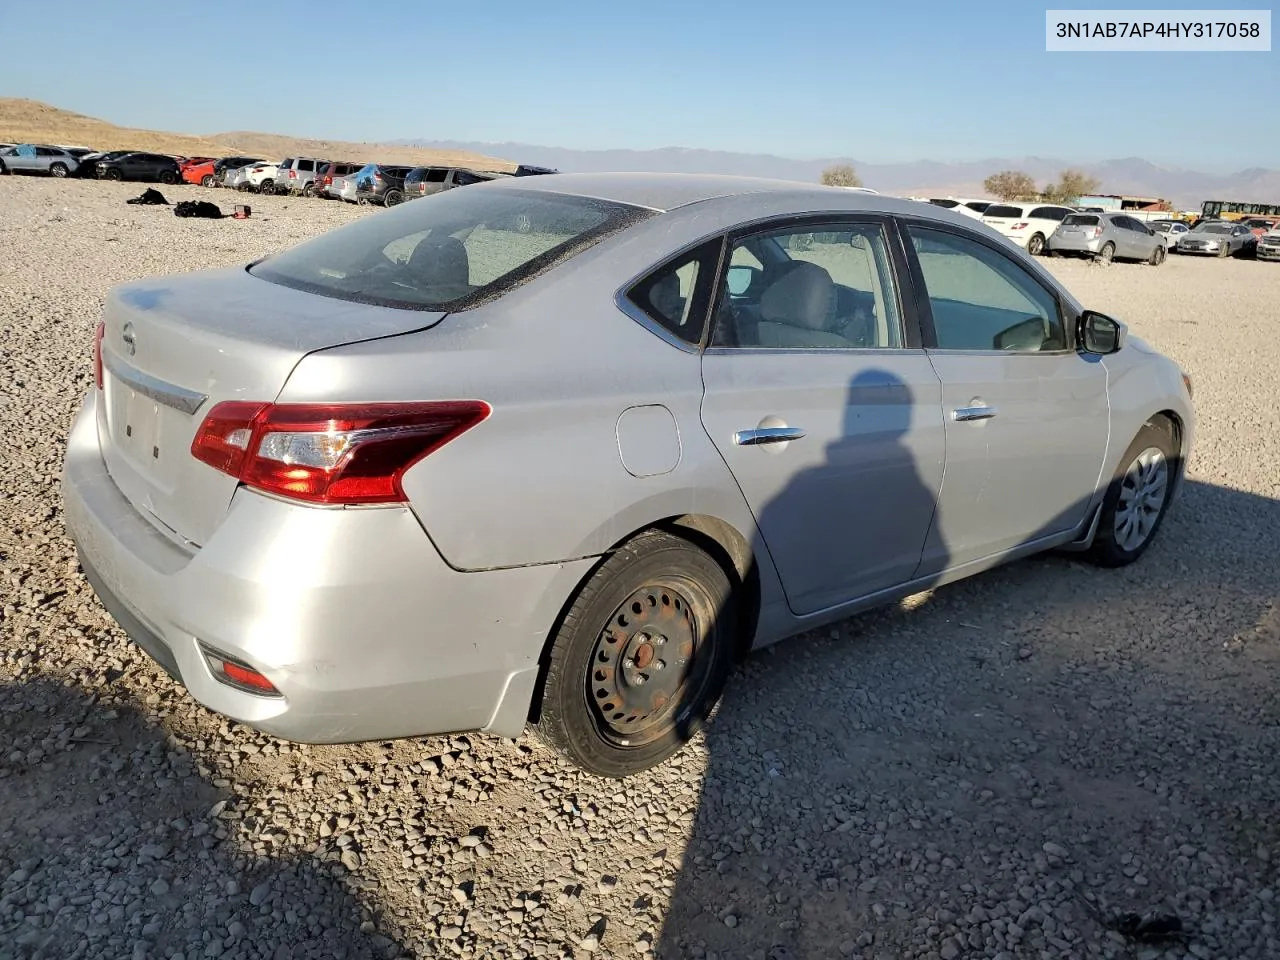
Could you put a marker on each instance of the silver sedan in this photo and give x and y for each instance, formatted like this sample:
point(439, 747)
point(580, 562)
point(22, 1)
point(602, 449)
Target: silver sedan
point(557, 450)
point(1218, 238)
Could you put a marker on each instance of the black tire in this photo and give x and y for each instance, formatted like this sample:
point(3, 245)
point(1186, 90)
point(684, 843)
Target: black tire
point(58, 170)
point(3, 169)
point(207, 180)
point(1110, 546)
point(1157, 255)
point(1035, 246)
point(392, 198)
point(308, 190)
point(1107, 253)
point(595, 669)
point(168, 177)
point(114, 174)
point(267, 187)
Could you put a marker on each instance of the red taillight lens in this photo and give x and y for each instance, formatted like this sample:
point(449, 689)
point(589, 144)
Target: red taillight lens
point(293, 174)
point(1019, 226)
point(329, 453)
point(1097, 232)
point(97, 353)
point(237, 674)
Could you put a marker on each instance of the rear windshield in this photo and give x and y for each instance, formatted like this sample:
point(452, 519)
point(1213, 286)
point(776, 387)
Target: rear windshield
point(449, 251)
point(997, 210)
point(1080, 220)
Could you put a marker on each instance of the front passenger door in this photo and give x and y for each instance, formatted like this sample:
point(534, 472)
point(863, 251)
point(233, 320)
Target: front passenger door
point(1026, 414)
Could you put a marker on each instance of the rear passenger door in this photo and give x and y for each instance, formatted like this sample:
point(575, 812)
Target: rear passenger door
point(824, 406)
point(1026, 414)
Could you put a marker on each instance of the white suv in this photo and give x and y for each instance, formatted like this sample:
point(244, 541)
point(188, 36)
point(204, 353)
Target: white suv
point(1026, 224)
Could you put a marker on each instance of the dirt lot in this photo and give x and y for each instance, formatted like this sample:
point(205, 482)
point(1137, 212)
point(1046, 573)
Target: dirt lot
point(1000, 769)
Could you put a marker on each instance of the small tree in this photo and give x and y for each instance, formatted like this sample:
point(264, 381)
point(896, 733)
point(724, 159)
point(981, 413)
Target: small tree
point(1010, 185)
point(841, 175)
point(1071, 186)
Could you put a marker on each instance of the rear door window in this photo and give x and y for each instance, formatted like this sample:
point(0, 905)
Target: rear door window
point(463, 248)
point(306, 166)
point(1048, 213)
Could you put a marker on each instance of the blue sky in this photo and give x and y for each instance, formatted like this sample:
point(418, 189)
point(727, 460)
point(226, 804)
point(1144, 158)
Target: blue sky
point(880, 82)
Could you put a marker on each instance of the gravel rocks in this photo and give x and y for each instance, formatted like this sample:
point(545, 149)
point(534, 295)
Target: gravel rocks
point(1014, 766)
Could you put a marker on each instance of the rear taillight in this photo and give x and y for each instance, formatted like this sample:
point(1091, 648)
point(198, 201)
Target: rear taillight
point(1020, 226)
point(377, 176)
point(1097, 232)
point(329, 453)
point(97, 353)
point(293, 174)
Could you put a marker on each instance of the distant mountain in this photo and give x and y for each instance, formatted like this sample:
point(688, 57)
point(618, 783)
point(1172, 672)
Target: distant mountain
point(1130, 175)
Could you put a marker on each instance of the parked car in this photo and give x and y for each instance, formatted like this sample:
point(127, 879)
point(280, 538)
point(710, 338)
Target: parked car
point(529, 170)
point(260, 177)
point(1026, 224)
point(89, 162)
point(1173, 230)
point(223, 168)
point(970, 208)
point(381, 183)
point(343, 188)
point(37, 158)
point(326, 174)
point(1259, 225)
point(424, 181)
point(1269, 245)
point(405, 362)
point(1219, 238)
point(297, 175)
point(153, 167)
point(1107, 236)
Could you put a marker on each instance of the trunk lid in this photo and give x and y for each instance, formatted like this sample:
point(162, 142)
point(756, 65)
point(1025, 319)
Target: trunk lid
point(174, 347)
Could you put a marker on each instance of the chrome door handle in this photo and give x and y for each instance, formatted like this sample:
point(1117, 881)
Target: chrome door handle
point(752, 438)
point(973, 413)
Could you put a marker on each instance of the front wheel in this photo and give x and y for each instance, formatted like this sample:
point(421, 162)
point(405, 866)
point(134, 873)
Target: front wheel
point(641, 657)
point(1035, 246)
point(1224, 251)
point(168, 177)
point(1138, 497)
point(114, 174)
point(1157, 256)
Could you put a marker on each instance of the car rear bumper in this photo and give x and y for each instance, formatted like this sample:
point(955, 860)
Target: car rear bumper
point(350, 613)
point(1059, 244)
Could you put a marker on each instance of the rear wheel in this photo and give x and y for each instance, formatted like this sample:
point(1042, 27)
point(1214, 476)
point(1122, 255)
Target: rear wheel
point(308, 190)
point(641, 657)
point(114, 174)
point(1107, 253)
point(392, 198)
point(1138, 497)
point(1035, 246)
point(58, 170)
point(1157, 256)
point(207, 180)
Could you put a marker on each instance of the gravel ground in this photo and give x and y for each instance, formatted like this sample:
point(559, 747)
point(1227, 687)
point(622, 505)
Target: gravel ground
point(1003, 768)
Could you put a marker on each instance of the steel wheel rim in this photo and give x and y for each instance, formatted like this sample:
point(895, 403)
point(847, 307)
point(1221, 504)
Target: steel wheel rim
point(1143, 491)
point(646, 662)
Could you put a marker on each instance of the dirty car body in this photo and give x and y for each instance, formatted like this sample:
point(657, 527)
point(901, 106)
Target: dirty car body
point(359, 490)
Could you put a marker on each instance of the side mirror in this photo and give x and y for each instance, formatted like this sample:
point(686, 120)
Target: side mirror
point(1099, 334)
point(739, 279)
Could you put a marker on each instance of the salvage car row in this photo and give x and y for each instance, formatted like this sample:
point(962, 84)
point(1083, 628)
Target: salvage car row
point(377, 183)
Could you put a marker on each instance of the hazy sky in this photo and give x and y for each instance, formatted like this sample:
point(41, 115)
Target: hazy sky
point(879, 82)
